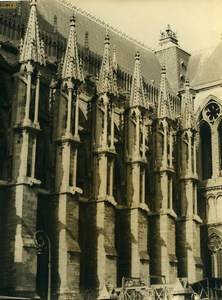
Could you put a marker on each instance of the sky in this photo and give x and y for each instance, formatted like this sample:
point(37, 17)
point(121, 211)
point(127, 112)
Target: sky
point(198, 23)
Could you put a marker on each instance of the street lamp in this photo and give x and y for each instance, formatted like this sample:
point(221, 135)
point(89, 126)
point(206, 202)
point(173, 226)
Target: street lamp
point(42, 240)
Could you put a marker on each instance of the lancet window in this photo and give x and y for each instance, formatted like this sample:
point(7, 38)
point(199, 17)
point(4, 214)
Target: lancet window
point(206, 151)
point(215, 246)
point(220, 146)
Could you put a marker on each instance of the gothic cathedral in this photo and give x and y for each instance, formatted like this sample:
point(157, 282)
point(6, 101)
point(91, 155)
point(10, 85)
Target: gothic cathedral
point(110, 156)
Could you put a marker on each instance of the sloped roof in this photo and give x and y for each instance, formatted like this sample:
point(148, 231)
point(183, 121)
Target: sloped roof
point(125, 48)
point(205, 66)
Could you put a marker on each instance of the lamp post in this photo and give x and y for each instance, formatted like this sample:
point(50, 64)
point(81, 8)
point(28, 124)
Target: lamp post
point(42, 240)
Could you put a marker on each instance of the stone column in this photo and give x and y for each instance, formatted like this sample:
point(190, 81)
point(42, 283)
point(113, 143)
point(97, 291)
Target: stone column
point(36, 116)
point(28, 91)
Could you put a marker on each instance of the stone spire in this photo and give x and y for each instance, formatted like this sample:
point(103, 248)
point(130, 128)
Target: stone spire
point(32, 49)
point(187, 107)
point(106, 78)
point(71, 66)
point(164, 102)
point(137, 92)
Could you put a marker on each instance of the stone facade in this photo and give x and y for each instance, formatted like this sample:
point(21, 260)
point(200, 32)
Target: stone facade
point(109, 151)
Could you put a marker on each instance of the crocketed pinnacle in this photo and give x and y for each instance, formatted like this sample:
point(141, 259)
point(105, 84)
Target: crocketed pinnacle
point(137, 97)
point(164, 102)
point(106, 82)
point(187, 107)
point(71, 65)
point(32, 49)
point(86, 40)
point(115, 67)
point(114, 59)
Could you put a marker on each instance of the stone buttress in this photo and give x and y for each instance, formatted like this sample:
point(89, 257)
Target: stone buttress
point(162, 220)
point(101, 256)
point(67, 142)
point(188, 225)
point(134, 259)
point(21, 258)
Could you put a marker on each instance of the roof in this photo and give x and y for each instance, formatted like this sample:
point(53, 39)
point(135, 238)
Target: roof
point(205, 66)
point(125, 48)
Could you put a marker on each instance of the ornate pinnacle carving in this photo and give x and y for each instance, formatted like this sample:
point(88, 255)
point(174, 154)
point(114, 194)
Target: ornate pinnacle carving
point(86, 40)
point(106, 82)
point(115, 67)
point(168, 34)
point(32, 49)
point(187, 107)
point(164, 102)
point(55, 24)
point(71, 65)
point(19, 8)
point(137, 92)
point(114, 59)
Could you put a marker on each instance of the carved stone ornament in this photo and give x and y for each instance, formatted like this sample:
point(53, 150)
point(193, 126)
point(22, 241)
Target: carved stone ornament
point(211, 112)
point(215, 243)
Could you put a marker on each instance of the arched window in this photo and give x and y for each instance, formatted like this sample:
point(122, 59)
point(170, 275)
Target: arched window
point(220, 144)
point(215, 246)
point(206, 151)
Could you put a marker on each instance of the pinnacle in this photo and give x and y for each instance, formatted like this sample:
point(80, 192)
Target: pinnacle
point(137, 97)
point(71, 66)
point(187, 107)
point(164, 102)
point(32, 49)
point(107, 82)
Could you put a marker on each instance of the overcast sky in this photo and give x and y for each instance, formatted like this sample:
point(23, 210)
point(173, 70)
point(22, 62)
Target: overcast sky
point(198, 23)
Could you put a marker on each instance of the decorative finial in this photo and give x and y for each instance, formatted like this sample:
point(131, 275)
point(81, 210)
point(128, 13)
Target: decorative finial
point(168, 35)
point(55, 24)
point(33, 2)
point(137, 55)
point(19, 8)
point(163, 70)
point(187, 82)
point(86, 40)
point(72, 21)
point(107, 38)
